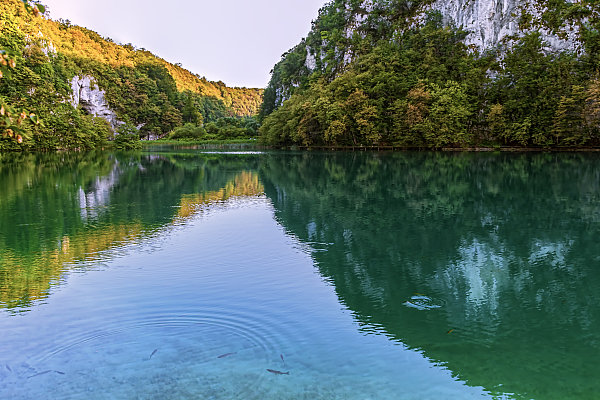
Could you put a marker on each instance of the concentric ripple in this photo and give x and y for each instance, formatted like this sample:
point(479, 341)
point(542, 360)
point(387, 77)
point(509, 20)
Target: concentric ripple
point(423, 302)
point(177, 355)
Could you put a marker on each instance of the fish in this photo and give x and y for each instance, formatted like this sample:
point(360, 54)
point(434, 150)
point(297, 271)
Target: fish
point(277, 372)
point(228, 354)
point(41, 373)
point(451, 330)
point(8, 368)
point(153, 353)
point(281, 355)
point(420, 294)
point(58, 372)
point(564, 301)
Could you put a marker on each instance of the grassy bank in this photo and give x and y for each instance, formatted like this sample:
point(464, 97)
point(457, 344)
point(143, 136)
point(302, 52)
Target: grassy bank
point(203, 144)
point(148, 143)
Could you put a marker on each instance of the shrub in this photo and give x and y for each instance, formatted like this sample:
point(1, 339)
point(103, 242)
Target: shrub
point(189, 131)
point(128, 137)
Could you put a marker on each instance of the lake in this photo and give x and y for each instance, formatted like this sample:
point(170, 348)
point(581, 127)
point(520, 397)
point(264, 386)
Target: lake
point(188, 274)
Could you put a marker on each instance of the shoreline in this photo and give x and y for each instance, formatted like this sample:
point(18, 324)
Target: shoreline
point(481, 149)
point(252, 144)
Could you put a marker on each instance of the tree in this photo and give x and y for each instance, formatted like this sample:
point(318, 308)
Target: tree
point(188, 131)
point(189, 112)
point(128, 137)
point(11, 119)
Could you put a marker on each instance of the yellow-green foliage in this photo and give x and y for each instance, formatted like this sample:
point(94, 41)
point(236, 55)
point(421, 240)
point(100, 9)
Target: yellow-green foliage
point(140, 87)
point(79, 42)
point(243, 101)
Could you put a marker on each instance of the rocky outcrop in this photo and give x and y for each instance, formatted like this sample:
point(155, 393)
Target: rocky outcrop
point(490, 21)
point(92, 99)
point(487, 21)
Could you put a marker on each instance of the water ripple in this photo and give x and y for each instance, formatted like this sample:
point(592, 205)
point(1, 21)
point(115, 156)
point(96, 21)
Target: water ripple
point(107, 362)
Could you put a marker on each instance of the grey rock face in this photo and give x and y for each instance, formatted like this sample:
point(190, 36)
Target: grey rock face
point(87, 94)
point(311, 59)
point(489, 21)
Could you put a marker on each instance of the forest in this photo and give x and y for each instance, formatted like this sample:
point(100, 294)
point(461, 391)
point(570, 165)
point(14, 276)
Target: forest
point(405, 77)
point(150, 96)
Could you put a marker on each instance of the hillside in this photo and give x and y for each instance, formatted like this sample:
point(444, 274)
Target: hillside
point(440, 73)
point(76, 81)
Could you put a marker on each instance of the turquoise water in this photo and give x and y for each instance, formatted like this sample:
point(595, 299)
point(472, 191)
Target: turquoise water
point(182, 274)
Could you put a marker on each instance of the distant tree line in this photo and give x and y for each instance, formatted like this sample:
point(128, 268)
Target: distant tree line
point(222, 129)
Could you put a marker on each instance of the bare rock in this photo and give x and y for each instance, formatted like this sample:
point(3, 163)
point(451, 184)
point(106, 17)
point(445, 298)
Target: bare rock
point(92, 99)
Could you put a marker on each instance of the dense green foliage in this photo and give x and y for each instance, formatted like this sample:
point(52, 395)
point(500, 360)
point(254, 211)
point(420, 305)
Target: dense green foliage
point(142, 89)
point(127, 138)
point(228, 128)
point(188, 131)
point(401, 80)
point(11, 119)
point(329, 46)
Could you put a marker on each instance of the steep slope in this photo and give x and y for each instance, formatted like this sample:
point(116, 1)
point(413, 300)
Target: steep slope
point(439, 73)
point(71, 75)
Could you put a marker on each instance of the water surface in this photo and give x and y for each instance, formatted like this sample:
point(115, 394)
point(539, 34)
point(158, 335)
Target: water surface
point(363, 275)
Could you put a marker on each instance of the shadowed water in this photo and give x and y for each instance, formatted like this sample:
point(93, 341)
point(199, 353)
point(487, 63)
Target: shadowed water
point(181, 274)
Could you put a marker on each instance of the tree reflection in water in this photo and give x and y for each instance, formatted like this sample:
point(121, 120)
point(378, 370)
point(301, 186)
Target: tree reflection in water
point(507, 244)
point(498, 252)
point(74, 207)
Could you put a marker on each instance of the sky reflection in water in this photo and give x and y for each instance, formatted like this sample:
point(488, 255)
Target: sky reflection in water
point(374, 275)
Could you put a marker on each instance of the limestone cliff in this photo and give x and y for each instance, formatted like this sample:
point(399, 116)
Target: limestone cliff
point(336, 35)
point(490, 21)
point(92, 99)
point(487, 21)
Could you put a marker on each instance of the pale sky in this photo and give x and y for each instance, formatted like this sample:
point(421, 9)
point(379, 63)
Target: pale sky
point(235, 41)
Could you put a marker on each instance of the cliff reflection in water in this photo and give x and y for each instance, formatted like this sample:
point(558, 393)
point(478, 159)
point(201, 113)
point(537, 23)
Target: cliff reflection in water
point(74, 207)
point(507, 245)
point(502, 248)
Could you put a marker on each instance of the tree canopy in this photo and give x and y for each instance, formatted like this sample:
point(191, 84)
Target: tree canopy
point(397, 74)
point(142, 89)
